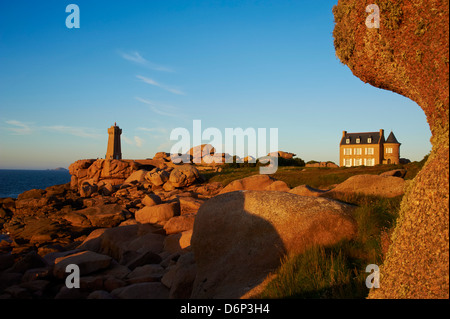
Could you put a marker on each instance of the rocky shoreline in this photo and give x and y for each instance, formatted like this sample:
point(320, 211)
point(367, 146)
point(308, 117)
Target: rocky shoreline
point(141, 230)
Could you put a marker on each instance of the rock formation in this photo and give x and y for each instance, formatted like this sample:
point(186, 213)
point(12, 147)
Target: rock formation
point(239, 237)
point(377, 185)
point(322, 164)
point(409, 55)
point(134, 239)
point(256, 182)
point(282, 154)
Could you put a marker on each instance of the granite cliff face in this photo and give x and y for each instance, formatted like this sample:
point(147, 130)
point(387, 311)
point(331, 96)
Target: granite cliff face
point(409, 55)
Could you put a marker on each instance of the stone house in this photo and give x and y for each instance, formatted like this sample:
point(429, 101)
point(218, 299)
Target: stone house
point(368, 149)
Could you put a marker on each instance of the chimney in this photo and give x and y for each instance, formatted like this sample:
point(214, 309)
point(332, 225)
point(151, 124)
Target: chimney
point(344, 133)
point(381, 133)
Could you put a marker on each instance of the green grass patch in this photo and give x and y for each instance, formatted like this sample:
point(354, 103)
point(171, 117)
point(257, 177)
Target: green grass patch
point(320, 272)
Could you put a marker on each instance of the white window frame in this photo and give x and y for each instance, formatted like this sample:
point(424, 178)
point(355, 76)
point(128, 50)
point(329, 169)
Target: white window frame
point(358, 151)
point(347, 141)
point(370, 151)
point(389, 150)
point(347, 162)
point(369, 140)
point(358, 141)
point(347, 151)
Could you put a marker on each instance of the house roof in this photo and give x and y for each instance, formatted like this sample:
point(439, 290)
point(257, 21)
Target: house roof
point(364, 137)
point(392, 139)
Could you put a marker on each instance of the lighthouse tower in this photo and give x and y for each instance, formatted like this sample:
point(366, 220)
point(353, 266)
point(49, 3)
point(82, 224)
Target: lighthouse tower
point(114, 148)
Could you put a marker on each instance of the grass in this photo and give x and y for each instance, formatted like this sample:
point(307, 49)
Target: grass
point(338, 271)
point(314, 177)
point(320, 272)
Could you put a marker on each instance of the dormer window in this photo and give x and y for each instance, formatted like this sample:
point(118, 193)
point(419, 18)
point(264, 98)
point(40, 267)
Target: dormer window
point(369, 140)
point(347, 141)
point(358, 140)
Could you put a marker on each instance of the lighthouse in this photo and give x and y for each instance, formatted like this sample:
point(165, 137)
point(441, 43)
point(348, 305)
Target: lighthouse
point(114, 150)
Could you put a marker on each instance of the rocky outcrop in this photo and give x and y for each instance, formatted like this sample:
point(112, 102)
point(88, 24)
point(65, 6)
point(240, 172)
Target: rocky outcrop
point(158, 214)
point(112, 171)
point(109, 231)
point(376, 185)
point(409, 55)
point(306, 190)
point(282, 154)
point(322, 164)
point(184, 175)
point(239, 237)
point(256, 182)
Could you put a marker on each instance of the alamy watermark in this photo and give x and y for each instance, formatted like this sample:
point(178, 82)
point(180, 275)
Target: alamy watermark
point(73, 19)
point(373, 280)
point(232, 142)
point(73, 279)
point(373, 20)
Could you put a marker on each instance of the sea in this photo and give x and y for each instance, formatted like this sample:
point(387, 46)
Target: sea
point(15, 182)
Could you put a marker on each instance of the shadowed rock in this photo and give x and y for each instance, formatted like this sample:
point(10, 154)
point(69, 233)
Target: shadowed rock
point(240, 237)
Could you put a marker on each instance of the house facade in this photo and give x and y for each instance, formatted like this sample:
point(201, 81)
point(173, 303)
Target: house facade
point(368, 149)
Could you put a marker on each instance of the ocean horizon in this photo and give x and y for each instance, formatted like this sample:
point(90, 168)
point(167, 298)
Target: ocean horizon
point(14, 181)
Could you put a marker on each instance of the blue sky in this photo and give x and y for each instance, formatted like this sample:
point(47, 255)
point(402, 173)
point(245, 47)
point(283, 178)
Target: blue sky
point(152, 66)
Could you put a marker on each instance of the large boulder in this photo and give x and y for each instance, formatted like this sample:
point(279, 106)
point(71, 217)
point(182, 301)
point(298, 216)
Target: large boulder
point(183, 277)
point(112, 171)
point(240, 237)
point(125, 242)
point(136, 177)
point(37, 230)
point(306, 190)
point(109, 215)
point(179, 224)
point(256, 183)
point(158, 214)
point(409, 55)
point(87, 261)
point(200, 152)
point(376, 185)
point(189, 205)
point(285, 155)
point(184, 175)
point(151, 200)
point(157, 177)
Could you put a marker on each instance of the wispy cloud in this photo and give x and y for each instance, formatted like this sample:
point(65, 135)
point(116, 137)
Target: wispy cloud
point(165, 110)
point(75, 131)
point(19, 128)
point(22, 128)
point(162, 86)
point(136, 57)
point(136, 141)
point(160, 130)
point(139, 141)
